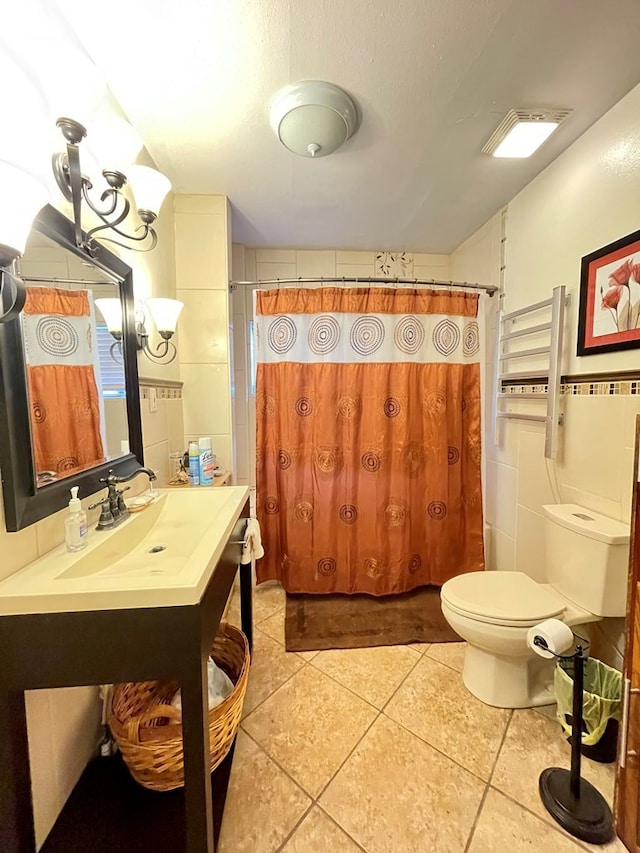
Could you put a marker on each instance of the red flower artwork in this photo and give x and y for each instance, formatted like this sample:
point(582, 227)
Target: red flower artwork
point(627, 315)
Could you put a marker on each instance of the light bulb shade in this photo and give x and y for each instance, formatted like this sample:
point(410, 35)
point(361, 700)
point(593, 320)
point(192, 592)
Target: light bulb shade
point(149, 187)
point(165, 313)
point(313, 118)
point(114, 143)
point(22, 198)
point(111, 310)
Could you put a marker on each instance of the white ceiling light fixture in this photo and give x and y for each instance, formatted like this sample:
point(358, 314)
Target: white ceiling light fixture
point(521, 132)
point(313, 118)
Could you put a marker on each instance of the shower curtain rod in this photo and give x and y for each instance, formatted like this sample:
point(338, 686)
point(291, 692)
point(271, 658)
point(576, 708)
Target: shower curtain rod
point(466, 285)
point(50, 280)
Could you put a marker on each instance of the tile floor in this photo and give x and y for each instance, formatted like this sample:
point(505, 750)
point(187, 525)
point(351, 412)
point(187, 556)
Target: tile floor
point(383, 750)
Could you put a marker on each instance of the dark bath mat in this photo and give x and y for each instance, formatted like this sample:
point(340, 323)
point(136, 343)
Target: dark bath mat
point(339, 621)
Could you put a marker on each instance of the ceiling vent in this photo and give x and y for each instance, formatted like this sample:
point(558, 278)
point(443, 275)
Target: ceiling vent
point(313, 118)
point(521, 132)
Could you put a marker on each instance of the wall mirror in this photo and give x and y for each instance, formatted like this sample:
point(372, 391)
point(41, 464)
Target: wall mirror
point(69, 397)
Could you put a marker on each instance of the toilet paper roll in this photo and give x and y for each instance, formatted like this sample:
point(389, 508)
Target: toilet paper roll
point(556, 635)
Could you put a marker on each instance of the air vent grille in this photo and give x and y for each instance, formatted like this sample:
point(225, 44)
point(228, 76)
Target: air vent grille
point(514, 116)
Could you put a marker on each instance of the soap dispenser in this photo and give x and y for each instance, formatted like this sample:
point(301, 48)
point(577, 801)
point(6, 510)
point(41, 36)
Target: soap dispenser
point(75, 525)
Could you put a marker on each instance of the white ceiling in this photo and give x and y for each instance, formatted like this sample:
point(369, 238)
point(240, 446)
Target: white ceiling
point(432, 79)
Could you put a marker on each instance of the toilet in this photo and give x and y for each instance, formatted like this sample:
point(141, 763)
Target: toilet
point(586, 556)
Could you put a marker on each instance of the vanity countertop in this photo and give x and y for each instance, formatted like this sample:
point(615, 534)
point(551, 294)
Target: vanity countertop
point(187, 530)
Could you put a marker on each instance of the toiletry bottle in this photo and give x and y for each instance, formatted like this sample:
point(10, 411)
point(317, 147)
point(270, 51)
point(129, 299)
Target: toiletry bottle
point(194, 464)
point(75, 524)
point(206, 461)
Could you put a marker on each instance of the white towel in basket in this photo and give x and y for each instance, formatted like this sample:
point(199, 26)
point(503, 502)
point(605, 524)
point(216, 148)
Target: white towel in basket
point(252, 549)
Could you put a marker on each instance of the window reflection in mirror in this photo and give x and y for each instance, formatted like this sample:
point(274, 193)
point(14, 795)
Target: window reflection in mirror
point(75, 369)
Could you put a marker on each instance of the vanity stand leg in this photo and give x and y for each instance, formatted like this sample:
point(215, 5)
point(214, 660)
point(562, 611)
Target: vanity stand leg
point(246, 601)
point(195, 744)
point(17, 832)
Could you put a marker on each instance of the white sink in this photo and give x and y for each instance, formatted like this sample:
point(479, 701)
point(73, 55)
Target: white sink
point(163, 555)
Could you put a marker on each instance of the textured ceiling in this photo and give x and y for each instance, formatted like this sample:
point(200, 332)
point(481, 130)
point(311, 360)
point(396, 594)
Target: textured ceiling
point(432, 80)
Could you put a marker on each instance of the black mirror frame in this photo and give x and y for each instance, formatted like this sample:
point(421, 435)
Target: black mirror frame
point(23, 503)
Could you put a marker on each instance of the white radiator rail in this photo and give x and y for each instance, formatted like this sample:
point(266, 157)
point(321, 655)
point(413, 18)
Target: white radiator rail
point(548, 375)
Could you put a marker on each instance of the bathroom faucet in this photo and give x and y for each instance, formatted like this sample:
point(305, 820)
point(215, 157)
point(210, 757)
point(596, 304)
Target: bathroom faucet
point(113, 508)
point(112, 479)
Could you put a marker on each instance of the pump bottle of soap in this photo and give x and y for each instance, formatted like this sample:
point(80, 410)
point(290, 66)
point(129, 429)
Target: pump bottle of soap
point(75, 524)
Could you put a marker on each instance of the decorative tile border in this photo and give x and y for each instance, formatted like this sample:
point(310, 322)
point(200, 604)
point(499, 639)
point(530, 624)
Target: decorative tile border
point(524, 389)
point(587, 389)
point(600, 389)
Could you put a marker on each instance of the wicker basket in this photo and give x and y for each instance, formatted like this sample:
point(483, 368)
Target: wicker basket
point(148, 730)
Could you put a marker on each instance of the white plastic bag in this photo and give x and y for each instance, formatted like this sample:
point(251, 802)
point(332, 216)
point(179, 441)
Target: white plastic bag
point(220, 686)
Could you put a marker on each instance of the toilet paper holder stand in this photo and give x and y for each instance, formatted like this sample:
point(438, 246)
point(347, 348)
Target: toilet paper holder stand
point(572, 801)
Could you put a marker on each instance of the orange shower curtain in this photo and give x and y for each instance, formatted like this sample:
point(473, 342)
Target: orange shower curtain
point(368, 437)
point(63, 394)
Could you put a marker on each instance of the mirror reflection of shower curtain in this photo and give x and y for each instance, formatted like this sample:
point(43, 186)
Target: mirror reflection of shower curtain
point(368, 411)
point(60, 343)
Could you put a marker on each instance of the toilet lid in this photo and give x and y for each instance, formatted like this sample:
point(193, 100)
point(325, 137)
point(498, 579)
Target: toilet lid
point(506, 597)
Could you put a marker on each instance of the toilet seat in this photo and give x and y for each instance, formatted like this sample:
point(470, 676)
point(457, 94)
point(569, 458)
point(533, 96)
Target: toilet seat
point(511, 599)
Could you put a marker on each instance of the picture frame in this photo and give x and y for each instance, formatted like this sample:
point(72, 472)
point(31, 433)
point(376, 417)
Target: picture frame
point(609, 312)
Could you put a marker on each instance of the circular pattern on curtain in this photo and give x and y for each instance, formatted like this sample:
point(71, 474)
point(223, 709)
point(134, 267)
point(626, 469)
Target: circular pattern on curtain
point(409, 334)
point(282, 334)
point(446, 337)
point(367, 335)
point(57, 336)
point(324, 334)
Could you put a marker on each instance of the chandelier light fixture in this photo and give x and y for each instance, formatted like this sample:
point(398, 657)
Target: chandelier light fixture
point(148, 186)
point(164, 313)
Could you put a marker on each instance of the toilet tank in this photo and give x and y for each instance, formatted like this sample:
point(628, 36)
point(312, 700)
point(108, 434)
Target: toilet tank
point(587, 558)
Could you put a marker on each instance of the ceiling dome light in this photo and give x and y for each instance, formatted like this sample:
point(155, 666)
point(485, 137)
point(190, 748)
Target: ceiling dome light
point(313, 118)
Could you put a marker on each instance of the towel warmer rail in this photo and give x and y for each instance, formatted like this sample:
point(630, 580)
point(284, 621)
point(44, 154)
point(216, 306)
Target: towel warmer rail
point(548, 375)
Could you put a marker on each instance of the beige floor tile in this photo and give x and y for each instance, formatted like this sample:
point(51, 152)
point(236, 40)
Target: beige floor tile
point(319, 834)
point(503, 825)
point(268, 598)
point(373, 673)
point(547, 711)
point(274, 627)
point(309, 726)
point(306, 655)
point(451, 654)
point(534, 742)
point(263, 804)
point(271, 666)
point(434, 704)
point(396, 794)
point(420, 647)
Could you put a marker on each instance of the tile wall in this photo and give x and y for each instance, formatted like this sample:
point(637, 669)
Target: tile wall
point(203, 253)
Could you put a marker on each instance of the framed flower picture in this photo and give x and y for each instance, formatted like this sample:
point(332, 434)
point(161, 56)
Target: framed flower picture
point(609, 317)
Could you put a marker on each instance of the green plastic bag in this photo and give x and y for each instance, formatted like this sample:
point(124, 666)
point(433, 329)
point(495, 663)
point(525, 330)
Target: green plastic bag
point(602, 697)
